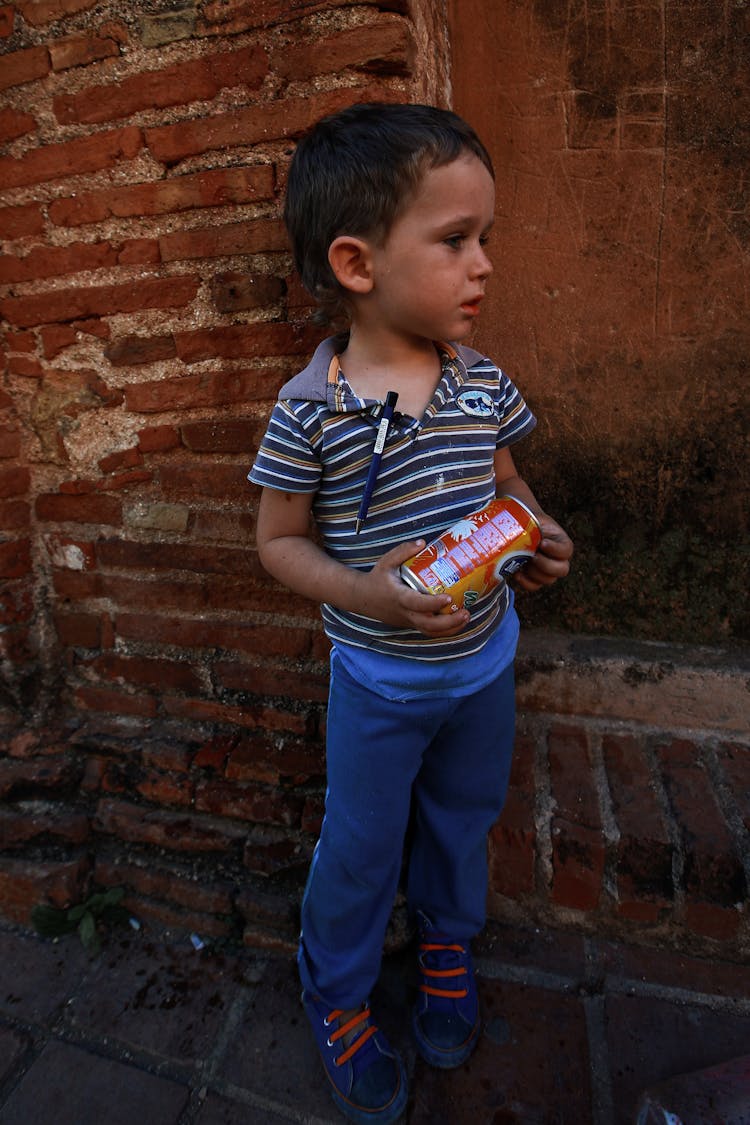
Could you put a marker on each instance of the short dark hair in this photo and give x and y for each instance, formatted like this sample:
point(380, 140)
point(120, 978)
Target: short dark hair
point(354, 173)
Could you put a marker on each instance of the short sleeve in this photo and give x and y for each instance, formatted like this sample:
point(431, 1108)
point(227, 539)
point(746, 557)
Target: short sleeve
point(516, 420)
point(286, 459)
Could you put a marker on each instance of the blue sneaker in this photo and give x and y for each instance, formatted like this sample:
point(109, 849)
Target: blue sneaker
point(368, 1081)
point(445, 1019)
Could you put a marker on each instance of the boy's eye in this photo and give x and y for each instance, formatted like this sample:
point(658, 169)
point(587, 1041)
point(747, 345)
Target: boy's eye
point(454, 241)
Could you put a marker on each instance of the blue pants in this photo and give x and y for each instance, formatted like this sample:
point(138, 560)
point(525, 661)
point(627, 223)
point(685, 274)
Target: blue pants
point(452, 757)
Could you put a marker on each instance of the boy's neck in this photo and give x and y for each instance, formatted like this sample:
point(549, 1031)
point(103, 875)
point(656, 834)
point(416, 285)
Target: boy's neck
point(374, 364)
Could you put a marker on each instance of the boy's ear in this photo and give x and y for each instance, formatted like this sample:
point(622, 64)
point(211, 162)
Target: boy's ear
point(350, 260)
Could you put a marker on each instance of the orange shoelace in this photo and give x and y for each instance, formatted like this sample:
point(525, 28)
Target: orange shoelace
point(442, 974)
point(357, 1019)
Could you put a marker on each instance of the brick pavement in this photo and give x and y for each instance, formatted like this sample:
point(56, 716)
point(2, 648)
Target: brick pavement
point(154, 1032)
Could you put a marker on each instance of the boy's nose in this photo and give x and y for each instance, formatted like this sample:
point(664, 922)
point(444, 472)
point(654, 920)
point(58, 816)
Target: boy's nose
point(482, 264)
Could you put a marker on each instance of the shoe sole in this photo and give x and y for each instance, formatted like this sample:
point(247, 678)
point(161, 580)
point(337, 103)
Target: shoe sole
point(387, 1115)
point(442, 1059)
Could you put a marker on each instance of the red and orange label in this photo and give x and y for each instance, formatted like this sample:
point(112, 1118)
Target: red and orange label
point(476, 554)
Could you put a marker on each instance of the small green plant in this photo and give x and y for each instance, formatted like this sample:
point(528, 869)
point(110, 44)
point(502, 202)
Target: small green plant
point(100, 909)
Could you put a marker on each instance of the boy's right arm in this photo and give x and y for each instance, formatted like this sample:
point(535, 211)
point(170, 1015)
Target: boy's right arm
point(288, 553)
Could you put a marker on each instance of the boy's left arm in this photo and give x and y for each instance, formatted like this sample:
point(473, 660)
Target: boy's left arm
point(552, 560)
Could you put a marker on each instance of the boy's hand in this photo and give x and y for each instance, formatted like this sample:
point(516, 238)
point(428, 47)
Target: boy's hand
point(383, 594)
point(552, 560)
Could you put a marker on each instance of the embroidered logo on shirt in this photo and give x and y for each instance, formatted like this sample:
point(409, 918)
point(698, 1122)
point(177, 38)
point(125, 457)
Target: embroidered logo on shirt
point(478, 404)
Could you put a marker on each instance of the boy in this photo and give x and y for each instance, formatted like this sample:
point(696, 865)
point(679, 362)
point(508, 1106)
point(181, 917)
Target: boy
point(388, 209)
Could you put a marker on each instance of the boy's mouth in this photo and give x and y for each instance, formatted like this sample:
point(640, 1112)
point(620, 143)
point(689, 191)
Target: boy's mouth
point(471, 307)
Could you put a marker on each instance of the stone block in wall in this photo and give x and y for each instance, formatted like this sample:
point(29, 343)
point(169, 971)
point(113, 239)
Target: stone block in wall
point(26, 883)
point(168, 27)
point(512, 843)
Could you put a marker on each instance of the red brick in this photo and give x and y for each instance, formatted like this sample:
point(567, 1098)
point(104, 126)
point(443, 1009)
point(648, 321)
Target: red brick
point(242, 340)
point(132, 351)
point(238, 526)
point(139, 252)
point(42, 772)
point(578, 851)
point(121, 553)
point(234, 292)
point(203, 633)
point(513, 838)
point(578, 866)
point(14, 481)
point(169, 883)
point(80, 50)
point(288, 117)
point(15, 558)
point(7, 19)
point(21, 341)
point(24, 66)
point(15, 123)
point(106, 300)
point(219, 435)
point(10, 442)
point(263, 759)
point(309, 684)
point(141, 671)
point(166, 789)
point(256, 236)
point(721, 923)
point(644, 850)
point(270, 850)
point(312, 815)
point(71, 158)
point(213, 754)
point(25, 365)
point(222, 482)
point(79, 629)
point(713, 871)
point(16, 604)
point(215, 188)
point(79, 509)
point(40, 12)
point(384, 46)
point(157, 439)
point(14, 515)
point(268, 907)
point(174, 831)
point(42, 820)
point(198, 79)
point(58, 260)
point(248, 803)
point(735, 759)
point(572, 779)
point(115, 702)
point(18, 222)
point(122, 459)
point(56, 337)
point(211, 711)
point(26, 883)
point(219, 388)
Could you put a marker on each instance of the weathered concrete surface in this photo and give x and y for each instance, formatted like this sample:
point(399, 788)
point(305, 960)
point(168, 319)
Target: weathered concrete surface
point(619, 300)
point(670, 687)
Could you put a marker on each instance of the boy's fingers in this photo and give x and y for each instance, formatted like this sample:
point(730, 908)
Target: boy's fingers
point(402, 552)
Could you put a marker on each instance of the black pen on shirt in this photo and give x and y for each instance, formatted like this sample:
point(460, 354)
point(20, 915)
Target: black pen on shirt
point(377, 455)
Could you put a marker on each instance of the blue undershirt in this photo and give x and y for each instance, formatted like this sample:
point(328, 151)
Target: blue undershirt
point(398, 678)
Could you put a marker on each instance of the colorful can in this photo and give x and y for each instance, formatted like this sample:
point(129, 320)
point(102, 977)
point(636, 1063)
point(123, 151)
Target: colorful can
point(475, 554)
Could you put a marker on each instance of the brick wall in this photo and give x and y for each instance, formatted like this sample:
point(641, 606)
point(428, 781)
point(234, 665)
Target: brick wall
point(163, 703)
point(150, 316)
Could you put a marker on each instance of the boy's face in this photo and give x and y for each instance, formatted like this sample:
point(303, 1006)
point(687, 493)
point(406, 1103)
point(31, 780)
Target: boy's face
point(429, 275)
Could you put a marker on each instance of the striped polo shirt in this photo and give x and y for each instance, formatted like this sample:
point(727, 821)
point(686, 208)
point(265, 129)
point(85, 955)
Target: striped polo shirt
point(434, 471)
